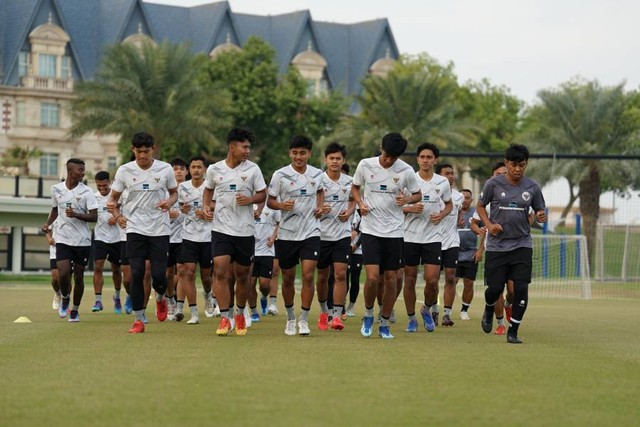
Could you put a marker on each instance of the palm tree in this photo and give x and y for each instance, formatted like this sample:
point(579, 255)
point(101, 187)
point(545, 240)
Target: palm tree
point(18, 156)
point(152, 88)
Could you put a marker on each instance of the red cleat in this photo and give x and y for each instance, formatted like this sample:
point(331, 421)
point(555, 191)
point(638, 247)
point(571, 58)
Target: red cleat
point(336, 324)
point(224, 327)
point(137, 327)
point(241, 324)
point(500, 330)
point(162, 309)
point(323, 321)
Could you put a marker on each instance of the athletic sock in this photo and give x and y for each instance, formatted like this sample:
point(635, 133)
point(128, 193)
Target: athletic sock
point(465, 307)
point(513, 329)
point(384, 321)
point(447, 311)
point(139, 314)
point(98, 298)
point(435, 309)
point(194, 310)
point(412, 316)
point(180, 306)
point(117, 293)
point(291, 314)
point(368, 312)
point(304, 314)
point(337, 310)
point(323, 306)
point(75, 307)
point(240, 310)
point(254, 310)
point(500, 320)
point(159, 297)
point(231, 312)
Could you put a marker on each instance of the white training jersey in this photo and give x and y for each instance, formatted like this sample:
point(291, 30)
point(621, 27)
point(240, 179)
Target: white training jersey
point(336, 194)
point(265, 226)
point(52, 248)
point(194, 229)
point(450, 236)
point(355, 226)
point(72, 231)
point(103, 231)
point(123, 212)
point(176, 224)
point(418, 228)
point(147, 188)
point(226, 182)
point(287, 184)
point(378, 190)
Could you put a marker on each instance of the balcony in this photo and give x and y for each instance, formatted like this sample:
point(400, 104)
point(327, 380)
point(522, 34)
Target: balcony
point(47, 83)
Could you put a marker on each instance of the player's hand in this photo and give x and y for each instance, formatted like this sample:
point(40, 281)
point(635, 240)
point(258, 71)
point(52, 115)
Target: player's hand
point(541, 216)
point(288, 205)
point(417, 208)
point(164, 205)
point(477, 256)
point(122, 222)
point(436, 217)
point(326, 208)
point(242, 200)
point(257, 213)
point(112, 220)
point(494, 229)
point(343, 216)
point(318, 211)
point(174, 213)
point(111, 205)
point(364, 209)
point(45, 228)
point(401, 200)
point(69, 213)
point(270, 241)
point(482, 231)
point(185, 208)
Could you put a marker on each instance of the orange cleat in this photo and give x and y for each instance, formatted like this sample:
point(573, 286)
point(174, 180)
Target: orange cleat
point(162, 310)
point(224, 327)
point(500, 330)
point(137, 327)
point(336, 324)
point(323, 321)
point(241, 325)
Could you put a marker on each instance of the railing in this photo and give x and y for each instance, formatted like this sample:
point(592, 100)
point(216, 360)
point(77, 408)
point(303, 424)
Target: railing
point(49, 83)
point(20, 186)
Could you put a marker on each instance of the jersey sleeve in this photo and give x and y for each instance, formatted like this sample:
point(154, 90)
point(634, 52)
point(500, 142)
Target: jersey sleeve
point(92, 202)
point(258, 180)
point(209, 178)
point(274, 185)
point(118, 181)
point(358, 178)
point(487, 193)
point(412, 182)
point(538, 200)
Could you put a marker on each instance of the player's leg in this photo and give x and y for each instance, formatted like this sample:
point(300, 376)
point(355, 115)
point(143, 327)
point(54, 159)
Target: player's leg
point(98, 282)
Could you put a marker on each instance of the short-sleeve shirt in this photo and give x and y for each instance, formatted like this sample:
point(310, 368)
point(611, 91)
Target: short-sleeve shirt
point(510, 206)
point(72, 231)
point(336, 194)
point(418, 228)
point(468, 239)
point(287, 184)
point(176, 224)
point(450, 237)
point(147, 188)
point(103, 231)
point(194, 229)
point(265, 226)
point(123, 212)
point(378, 189)
point(226, 182)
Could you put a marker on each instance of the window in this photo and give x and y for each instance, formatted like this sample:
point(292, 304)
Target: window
point(65, 69)
point(49, 116)
point(112, 163)
point(23, 64)
point(311, 88)
point(46, 65)
point(21, 113)
point(49, 164)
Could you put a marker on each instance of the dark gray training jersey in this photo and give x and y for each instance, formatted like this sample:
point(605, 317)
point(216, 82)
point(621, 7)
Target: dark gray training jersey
point(510, 208)
point(468, 239)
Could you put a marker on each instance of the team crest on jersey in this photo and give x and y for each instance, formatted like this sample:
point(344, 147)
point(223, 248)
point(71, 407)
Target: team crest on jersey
point(156, 179)
point(503, 195)
point(78, 198)
point(513, 205)
point(313, 183)
point(396, 179)
point(437, 190)
point(243, 177)
point(372, 176)
point(426, 197)
point(344, 190)
point(526, 196)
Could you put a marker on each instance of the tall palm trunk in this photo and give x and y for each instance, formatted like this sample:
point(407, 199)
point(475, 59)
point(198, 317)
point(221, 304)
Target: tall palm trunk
point(590, 206)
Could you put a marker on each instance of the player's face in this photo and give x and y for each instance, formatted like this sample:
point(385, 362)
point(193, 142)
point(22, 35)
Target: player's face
point(240, 150)
point(385, 160)
point(103, 186)
point(515, 170)
point(449, 174)
point(196, 169)
point(426, 160)
point(75, 172)
point(144, 156)
point(502, 170)
point(468, 199)
point(334, 162)
point(180, 172)
point(299, 158)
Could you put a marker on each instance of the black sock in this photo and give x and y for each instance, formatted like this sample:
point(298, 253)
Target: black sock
point(513, 329)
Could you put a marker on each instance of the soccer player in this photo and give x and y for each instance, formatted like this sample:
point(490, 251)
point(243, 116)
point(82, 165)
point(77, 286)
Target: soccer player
point(74, 206)
point(355, 263)
point(470, 254)
point(196, 241)
point(106, 245)
point(423, 236)
point(148, 181)
point(335, 236)
point(450, 242)
point(509, 243)
point(235, 184)
point(379, 186)
point(296, 190)
point(174, 262)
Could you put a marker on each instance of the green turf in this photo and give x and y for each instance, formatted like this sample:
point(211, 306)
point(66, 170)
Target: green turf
point(580, 365)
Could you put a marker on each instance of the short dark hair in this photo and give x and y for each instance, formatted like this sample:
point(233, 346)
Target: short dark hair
point(393, 144)
point(346, 168)
point(428, 146)
point(517, 153)
point(102, 176)
point(496, 166)
point(198, 158)
point(75, 161)
point(467, 191)
point(178, 162)
point(142, 139)
point(238, 134)
point(441, 166)
point(300, 141)
point(334, 147)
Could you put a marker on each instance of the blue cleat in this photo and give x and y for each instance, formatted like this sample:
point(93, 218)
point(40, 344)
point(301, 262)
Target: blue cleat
point(128, 305)
point(63, 310)
point(429, 325)
point(367, 326)
point(255, 317)
point(412, 326)
point(117, 305)
point(74, 317)
point(385, 333)
point(263, 307)
point(97, 306)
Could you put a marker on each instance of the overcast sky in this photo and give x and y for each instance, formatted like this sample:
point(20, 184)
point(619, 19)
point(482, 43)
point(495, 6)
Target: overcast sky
point(526, 45)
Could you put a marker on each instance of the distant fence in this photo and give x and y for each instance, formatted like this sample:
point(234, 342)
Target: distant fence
point(21, 186)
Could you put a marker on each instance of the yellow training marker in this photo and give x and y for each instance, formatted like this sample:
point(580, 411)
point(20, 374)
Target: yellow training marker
point(22, 319)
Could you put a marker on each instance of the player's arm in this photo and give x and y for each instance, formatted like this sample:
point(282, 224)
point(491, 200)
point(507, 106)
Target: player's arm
point(357, 198)
point(319, 203)
point(492, 228)
point(91, 216)
point(168, 203)
point(53, 214)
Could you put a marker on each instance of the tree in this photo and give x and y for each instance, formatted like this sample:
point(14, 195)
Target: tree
point(583, 117)
point(155, 89)
point(18, 156)
point(274, 107)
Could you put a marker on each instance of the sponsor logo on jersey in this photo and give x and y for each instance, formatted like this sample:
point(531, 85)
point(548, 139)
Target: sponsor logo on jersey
point(383, 187)
point(303, 191)
point(232, 187)
point(145, 186)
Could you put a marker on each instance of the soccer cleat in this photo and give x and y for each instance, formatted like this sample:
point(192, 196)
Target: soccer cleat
point(446, 320)
point(291, 328)
point(128, 305)
point(434, 316)
point(224, 327)
point(55, 304)
point(255, 317)
point(247, 317)
point(97, 306)
point(323, 321)
point(272, 310)
point(392, 316)
point(195, 319)
point(343, 315)
point(412, 326)
point(63, 310)
point(513, 339)
point(507, 312)
point(162, 310)
point(487, 320)
point(171, 313)
point(464, 315)
point(429, 324)
point(117, 305)
point(303, 328)
point(144, 318)
point(241, 325)
point(263, 306)
point(367, 326)
point(137, 327)
point(208, 305)
point(500, 330)
point(216, 311)
point(336, 324)
point(351, 312)
point(385, 333)
point(74, 317)
point(179, 316)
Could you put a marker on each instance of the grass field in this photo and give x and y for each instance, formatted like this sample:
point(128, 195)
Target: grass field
point(579, 365)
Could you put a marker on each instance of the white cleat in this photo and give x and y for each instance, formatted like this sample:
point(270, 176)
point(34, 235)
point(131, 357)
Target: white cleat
point(303, 328)
point(216, 311)
point(55, 304)
point(291, 329)
point(247, 317)
point(208, 305)
point(464, 315)
point(194, 320)
point(272, 310)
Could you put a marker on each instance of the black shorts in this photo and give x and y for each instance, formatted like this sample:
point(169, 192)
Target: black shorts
point(499, 267)
point(197, 253)
point(153, 248)
point(123, 253)
point(262, 267)
point(175, 254)
point(331, 252)
point(467, 270)
point(289, 252)
point(76, 254)
point(239, 248)
point(385, 252)
point(450, 258)
point(108, 251)
point(422, 253)
point(53, 265)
